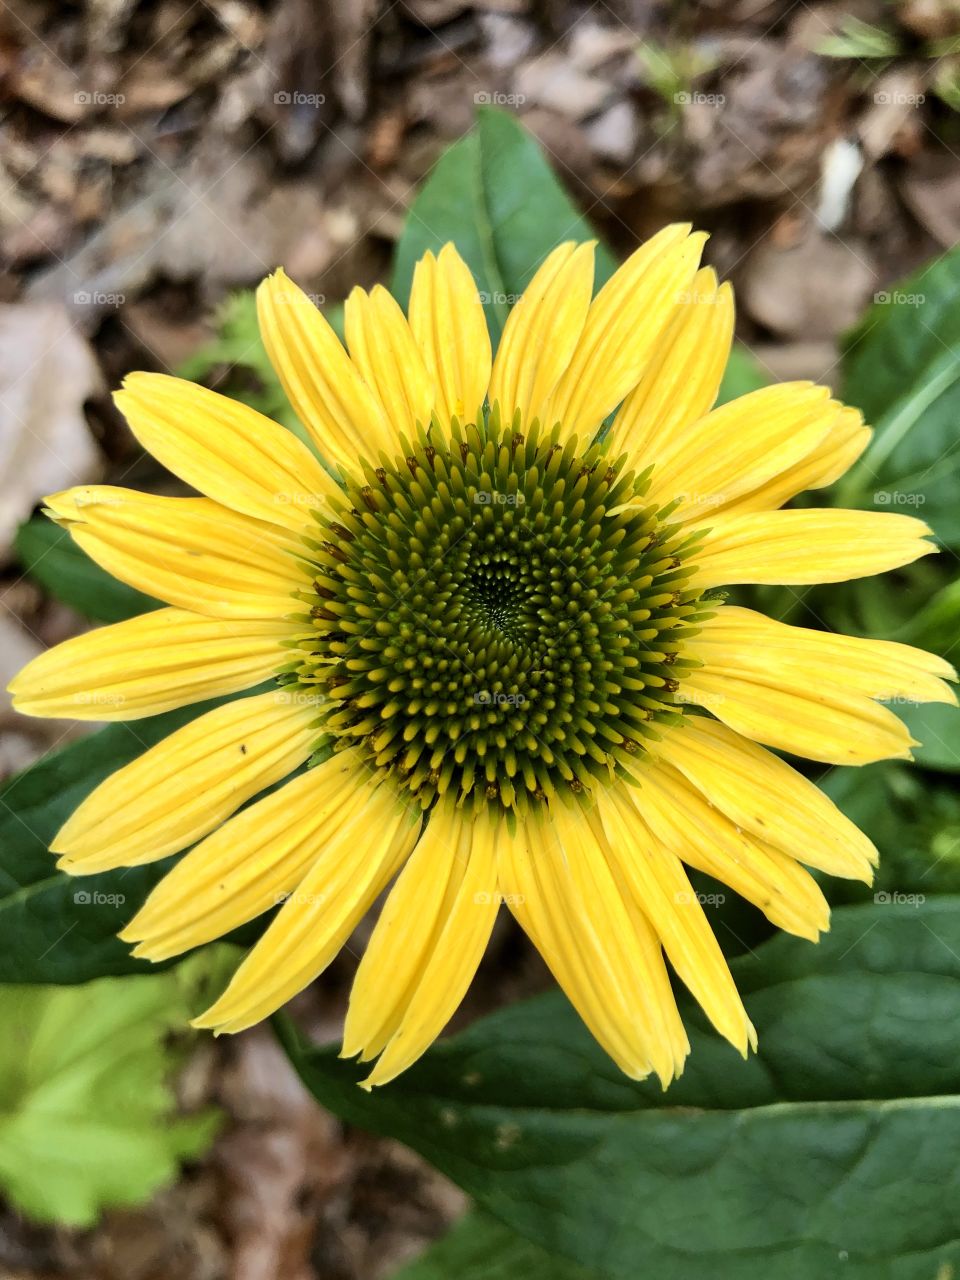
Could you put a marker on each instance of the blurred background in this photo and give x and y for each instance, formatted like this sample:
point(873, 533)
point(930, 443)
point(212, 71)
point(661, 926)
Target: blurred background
point(159, 157)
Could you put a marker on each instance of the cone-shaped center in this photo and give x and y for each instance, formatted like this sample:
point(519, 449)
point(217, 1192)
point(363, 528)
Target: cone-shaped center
point(499, 615)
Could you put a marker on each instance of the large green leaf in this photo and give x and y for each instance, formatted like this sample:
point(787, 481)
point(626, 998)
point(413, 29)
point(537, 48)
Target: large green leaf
point(59, 928)
point(51, 557)
point(495, 196)
point(481, 1248)
point(832, 1152)
point(913, 818)
point(87, 1114)
point(903, 370)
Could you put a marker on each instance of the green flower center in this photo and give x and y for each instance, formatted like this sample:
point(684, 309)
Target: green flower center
point(498, 615)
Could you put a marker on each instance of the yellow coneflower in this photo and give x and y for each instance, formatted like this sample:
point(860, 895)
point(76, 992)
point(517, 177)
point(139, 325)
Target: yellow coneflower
point(501, 663)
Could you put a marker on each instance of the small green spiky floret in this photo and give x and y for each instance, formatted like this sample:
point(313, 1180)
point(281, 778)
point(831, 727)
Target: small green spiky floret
point(497, 614)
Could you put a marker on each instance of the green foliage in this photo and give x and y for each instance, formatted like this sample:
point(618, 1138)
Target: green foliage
point(834, 1145)
point(913, 818)
point(860, 40)
point(481, 1248)
point(495, 196)
point(50, 556)
point(87, 1115)
point(59, 928)
point(902, 368)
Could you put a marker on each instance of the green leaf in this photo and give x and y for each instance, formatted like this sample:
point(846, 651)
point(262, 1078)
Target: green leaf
point(902, 368)
point(87, 1115)
point(914, 820)
point(935, 626)
point(937, 728)
point(831, 1152)
point(495, 196)
point(59, 928)
point(51, 557)
point(480, 1248)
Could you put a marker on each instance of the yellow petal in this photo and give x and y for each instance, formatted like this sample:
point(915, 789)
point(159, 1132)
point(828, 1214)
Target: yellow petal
point(682, 819)
point(542, 332)
point(625, 322)
point(813, 545)
point(836, 453)
point(829, 724)
point(321, 382)
point(428, 943)
point(383, 349)
point(686, 368)
point(739, 447)
point(250, 864)
point(749, 644)
point(225, 449)
point(661, 889)
point(766, 797)
point(447, 321)
point(190, 552)
point(189, 783)
point(557, 881)
point(145, 665)
point(354, 862)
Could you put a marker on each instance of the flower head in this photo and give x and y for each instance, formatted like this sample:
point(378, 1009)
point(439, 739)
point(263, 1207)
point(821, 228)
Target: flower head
point(501, 666)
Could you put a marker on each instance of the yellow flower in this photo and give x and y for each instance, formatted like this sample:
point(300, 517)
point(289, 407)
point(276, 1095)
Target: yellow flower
point(500, 662)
